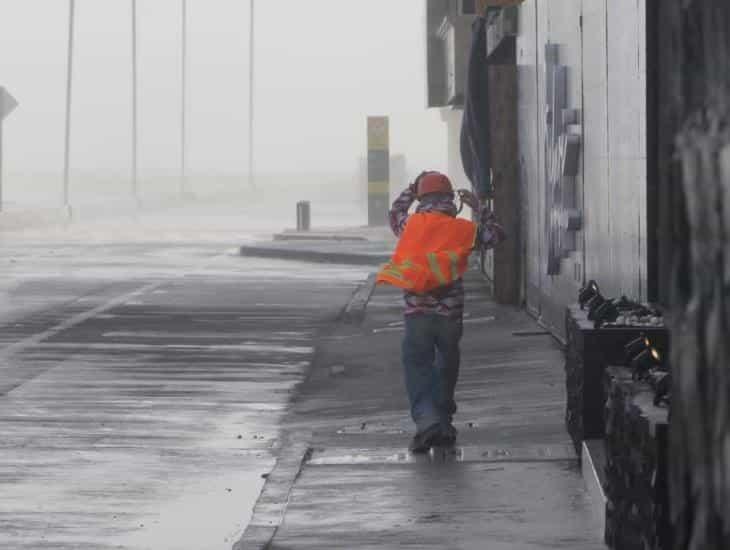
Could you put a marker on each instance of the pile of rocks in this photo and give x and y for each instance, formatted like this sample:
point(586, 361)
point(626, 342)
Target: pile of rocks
point(636, 439)
point(588, 352)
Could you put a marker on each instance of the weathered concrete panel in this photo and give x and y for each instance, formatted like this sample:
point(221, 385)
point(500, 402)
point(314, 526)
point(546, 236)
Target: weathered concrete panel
point(602, 44)
point(626, 144)
point(595, 142)
point(558, 23)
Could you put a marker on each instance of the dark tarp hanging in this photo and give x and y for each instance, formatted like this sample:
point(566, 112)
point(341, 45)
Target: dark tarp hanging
point(475, 141)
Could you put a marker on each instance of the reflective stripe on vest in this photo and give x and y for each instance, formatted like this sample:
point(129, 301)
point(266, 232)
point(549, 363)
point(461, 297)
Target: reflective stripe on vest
point(433, 251)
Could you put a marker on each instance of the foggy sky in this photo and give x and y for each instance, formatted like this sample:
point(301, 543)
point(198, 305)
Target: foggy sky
point(322, 67)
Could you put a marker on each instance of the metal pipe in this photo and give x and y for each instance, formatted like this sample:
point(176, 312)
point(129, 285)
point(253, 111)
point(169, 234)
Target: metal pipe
point(1, 163)
point(184, 99)
point(251, 61)
point(135, 125)
point(69, 90)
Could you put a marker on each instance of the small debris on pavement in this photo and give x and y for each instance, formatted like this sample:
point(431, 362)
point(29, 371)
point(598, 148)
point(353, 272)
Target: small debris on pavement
point(480, 319)
point(388, 329)
point(337, 370)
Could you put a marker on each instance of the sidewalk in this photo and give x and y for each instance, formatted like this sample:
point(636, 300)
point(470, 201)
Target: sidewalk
point(344, 479)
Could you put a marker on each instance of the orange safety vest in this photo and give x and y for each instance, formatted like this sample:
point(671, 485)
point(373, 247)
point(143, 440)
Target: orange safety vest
point(432, 252)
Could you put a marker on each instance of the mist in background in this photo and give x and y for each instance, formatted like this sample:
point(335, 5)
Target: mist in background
point(322, 67)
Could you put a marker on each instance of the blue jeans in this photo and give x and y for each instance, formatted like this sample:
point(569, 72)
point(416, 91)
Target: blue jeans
point(431, 356)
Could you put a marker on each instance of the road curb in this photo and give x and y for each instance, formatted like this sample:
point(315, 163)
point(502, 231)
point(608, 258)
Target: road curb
point(270, 508)
point(354, 312)
point(313, 256)
point(295, 448)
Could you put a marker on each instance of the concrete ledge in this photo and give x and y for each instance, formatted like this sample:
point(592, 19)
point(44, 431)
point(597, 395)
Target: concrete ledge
point(593, 464)
point(637, 464)
point(271, 504)
point(315, 256)
point(317, 237)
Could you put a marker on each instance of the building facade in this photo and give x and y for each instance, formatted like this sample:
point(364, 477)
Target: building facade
point(583, 203)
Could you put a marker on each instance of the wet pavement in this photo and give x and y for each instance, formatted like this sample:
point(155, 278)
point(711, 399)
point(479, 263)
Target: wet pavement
point(153, 389)
point(346, 480)
point(142, 386)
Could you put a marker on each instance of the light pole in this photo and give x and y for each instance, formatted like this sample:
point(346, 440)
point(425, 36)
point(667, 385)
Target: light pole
point(7, 105)
point(251, 60)
point(184, 99)
point(69, 90)
point(134, 104)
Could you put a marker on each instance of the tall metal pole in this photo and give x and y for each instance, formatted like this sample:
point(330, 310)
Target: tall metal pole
point(7, 105)
point(69, 89)
point(1, 161)
point(134, 103)
point(184, 99)
point(251, 60)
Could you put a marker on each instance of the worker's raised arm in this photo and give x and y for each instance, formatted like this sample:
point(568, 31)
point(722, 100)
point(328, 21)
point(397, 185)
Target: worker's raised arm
point(399, 210)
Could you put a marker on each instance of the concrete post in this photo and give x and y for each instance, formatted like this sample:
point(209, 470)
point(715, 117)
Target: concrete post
point(378, 170)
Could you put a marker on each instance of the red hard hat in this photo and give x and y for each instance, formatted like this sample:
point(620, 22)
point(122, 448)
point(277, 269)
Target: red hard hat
point(434, 182)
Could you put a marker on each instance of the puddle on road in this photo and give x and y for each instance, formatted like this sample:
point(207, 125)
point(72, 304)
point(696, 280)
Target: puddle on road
point(211, 515)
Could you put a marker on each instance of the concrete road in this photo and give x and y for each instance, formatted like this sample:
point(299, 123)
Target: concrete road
point(142, 386)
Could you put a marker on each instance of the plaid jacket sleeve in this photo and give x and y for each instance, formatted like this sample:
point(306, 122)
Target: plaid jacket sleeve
point(398, 215)
point(489, 232)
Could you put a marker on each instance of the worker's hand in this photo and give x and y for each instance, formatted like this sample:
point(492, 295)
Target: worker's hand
point(469, 198)
point(491, 232)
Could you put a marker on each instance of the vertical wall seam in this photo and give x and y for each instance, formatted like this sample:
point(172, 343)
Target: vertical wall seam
point(608, 149)
point(583, 142)
point(642, 207)
point(537, 150)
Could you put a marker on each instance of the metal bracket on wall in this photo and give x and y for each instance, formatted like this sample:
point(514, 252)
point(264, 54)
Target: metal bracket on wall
point(502, 27)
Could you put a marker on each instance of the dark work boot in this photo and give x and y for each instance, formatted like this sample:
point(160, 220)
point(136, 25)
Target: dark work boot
point(447, 435)
point(423, 441)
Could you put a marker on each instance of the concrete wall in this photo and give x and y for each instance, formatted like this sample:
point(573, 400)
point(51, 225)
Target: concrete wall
point(602, 43)
point(452, 118)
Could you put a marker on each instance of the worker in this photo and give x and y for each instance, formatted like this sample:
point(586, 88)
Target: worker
point(429, 262)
